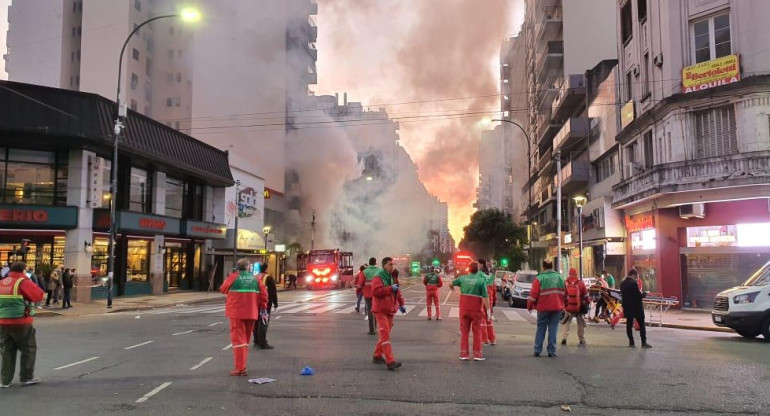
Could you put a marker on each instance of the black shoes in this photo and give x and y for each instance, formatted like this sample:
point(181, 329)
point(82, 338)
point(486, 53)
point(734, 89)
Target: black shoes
point(394, 365)
point(378, 360)
point(264, 346)
point(646, 345)
point(550, 355)
point(564, 342)
point(371, 333)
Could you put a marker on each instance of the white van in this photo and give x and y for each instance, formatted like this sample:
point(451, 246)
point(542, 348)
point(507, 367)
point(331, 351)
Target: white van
point(517, 290)
point(746, 308)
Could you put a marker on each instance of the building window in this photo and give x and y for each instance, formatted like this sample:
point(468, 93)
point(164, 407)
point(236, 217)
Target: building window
point(138, 5)
point(646, 74)
point(138, 261)
point(194, 202)
point(141, 189)
point(712, 38)
point(177, 101)
point(715, 132)
point(169, 102)
point(605, 168)
point(77, 80)
point(641, 10)
point(148, 67)
point(174, 197)
point(77, 55)
point(75, 7)
point(72, 57)
point(170, 77)
point(176, 125)
point(626, 22)
point(171, 54)
point(80, 30)
point(629, 87)
point(649, 156)
point(178, 77)
point(134, 81)
point(28, 176)
point(135, 54)
point(133, 105)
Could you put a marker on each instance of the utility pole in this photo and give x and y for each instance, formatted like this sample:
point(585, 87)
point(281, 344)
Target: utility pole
point(558, 211)
point(235, 228)
point(312, 232)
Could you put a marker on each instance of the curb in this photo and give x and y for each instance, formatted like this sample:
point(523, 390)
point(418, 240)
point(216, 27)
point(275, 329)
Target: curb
point(699, 328)
point(50, 313)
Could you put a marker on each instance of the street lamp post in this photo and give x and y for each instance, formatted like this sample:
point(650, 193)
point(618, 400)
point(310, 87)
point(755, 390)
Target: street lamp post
point(188, 15)
point(266, 231)
point(580, 202)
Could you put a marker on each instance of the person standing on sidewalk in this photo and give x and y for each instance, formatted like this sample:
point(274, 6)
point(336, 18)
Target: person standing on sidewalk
point(246, 302)
point(369, 274)
point(260, 330)
point(547, 297)
point(67, 284)
point(633, 307)
point(385, 298)
point(17, 334)
point(576, 301)
point(433, 283)
point(474, 302)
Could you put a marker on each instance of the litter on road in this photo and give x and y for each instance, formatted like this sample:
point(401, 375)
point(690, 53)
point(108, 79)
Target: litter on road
point(262, 380)
point(307, 371)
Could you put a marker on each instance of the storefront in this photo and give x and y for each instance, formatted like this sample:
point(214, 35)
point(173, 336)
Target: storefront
point(55, 170)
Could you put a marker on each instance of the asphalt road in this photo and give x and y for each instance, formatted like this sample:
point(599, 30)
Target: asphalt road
point(175, 361)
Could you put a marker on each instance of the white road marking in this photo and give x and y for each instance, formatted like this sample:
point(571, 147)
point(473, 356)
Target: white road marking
point(328, 307)
point(351, 308)
point(227, 347)
point(288, 309)
point(447, 297)
point(277, 317)
point(138, 345)
point(514, 315)
point(182, 333)
point(77, 363)
point(425, 311)
point(301, 308)
point(408, 309)
point(215, 323)
point(154, 392)
point(200, 364)
point(204, 309)
point(454, 313)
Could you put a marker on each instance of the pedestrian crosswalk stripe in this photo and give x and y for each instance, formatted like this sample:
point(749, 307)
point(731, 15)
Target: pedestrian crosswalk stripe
point(350, 309)
point(454, 313)
point(329, 307)
point(408, 308)
point(302, 308)
point(513, 315)
point(433, 311)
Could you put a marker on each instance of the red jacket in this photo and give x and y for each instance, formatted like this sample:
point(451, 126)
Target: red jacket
point(27, 289)
point(243, 305)
point(547, 294)
point(581, 286)
point(360, 282)
point(383, 298)
point(432, 286)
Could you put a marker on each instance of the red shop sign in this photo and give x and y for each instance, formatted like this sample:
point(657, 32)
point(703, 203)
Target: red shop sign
point(23, 215)
point(640, 222)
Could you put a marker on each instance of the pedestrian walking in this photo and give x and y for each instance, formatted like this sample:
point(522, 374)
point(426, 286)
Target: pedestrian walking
point(577, 302)
point(17, 334)
point(245, 303)
point(385, 302)
point(547, 297)
point(52, 287)
point(487, 324)
point(260, 329)
point(359, 282)
point(433, 283)
point(474, 300)
point(609, 278)
point(633, 307)
point(369, 274)
point(67, 284)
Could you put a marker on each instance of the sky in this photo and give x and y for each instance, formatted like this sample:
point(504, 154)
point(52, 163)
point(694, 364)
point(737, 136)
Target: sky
point(432, 51)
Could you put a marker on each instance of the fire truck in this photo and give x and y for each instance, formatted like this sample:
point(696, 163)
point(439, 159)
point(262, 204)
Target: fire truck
point(325, 269)
point(462, 260)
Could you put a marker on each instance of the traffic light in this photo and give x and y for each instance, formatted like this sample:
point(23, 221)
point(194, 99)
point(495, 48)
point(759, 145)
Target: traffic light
point(503, 262)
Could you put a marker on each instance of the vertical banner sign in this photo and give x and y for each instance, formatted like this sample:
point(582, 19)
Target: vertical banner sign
point(95, 181)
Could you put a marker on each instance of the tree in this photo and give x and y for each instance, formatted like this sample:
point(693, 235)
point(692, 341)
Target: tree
point(493, 234)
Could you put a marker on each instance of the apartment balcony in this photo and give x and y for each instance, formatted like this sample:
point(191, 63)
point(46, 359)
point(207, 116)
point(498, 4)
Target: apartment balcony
point(738, 170)
point(574, 176)
point(310, 29)
point(571, 94)
point(549, 27)
point(550, 57)
point(546, 128)
point(573, 130)
point(312, 50)
point(545, 161)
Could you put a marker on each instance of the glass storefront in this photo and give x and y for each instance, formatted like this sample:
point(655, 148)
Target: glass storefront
point(138, 261)
point(43, 251)
point(708, 274)
point(99, 258)
point(175, 264)
point(645, 266)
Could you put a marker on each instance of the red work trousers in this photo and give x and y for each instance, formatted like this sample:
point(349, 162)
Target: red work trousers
point(432, 298)
point(470, 322)
point(240, 334)
point(487, 329)
point(383, 347)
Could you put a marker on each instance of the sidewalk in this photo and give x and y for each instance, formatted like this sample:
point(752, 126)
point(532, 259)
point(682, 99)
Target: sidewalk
point(134, 303)
point(691, 319)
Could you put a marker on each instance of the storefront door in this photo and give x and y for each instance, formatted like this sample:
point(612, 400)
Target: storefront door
point(175, 265)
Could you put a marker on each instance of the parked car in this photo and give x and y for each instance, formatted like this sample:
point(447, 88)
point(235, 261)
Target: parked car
point(501, 280)
point(746, 308)
point(518, 288)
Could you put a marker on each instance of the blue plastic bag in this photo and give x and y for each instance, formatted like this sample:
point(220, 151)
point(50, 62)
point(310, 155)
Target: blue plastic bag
point(307, 371)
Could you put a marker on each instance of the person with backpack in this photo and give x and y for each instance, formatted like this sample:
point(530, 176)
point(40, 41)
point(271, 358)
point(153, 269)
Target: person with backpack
point(577, 303)
point(433, 282)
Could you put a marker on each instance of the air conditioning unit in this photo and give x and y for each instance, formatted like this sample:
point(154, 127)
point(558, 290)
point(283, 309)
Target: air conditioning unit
point(632, 169)
point(658, 60)
point(692, 211)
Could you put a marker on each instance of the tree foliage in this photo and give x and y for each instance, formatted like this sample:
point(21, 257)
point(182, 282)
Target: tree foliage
point(493, 234)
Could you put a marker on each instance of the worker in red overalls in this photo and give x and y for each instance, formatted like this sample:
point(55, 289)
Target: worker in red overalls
point(369, 274)
point(487, 325)
point(432, 282)
point(359, 282)
point(473, 301)
point(245, 303)
point(385, 298)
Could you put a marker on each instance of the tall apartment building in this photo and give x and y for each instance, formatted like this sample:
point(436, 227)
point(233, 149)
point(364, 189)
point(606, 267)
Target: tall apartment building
point(75, 44)
point(558, 43)
point(495, 176)
point(695, 142)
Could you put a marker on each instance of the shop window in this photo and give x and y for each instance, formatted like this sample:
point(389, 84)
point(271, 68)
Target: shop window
point(645, 266)
point(174, 197)
point(715, 132)
point(99, 259)
point(29, 177)
point(140, 192)
point(138, 261)
point(711, 38)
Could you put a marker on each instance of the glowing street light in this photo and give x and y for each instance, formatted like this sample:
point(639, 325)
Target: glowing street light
point(190, 15)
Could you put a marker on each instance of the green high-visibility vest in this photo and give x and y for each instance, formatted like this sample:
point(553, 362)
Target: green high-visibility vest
point(12, 305)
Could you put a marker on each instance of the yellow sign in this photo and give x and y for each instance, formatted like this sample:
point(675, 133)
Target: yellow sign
point(710, 74)
point(267, 194)
point(627, 114)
